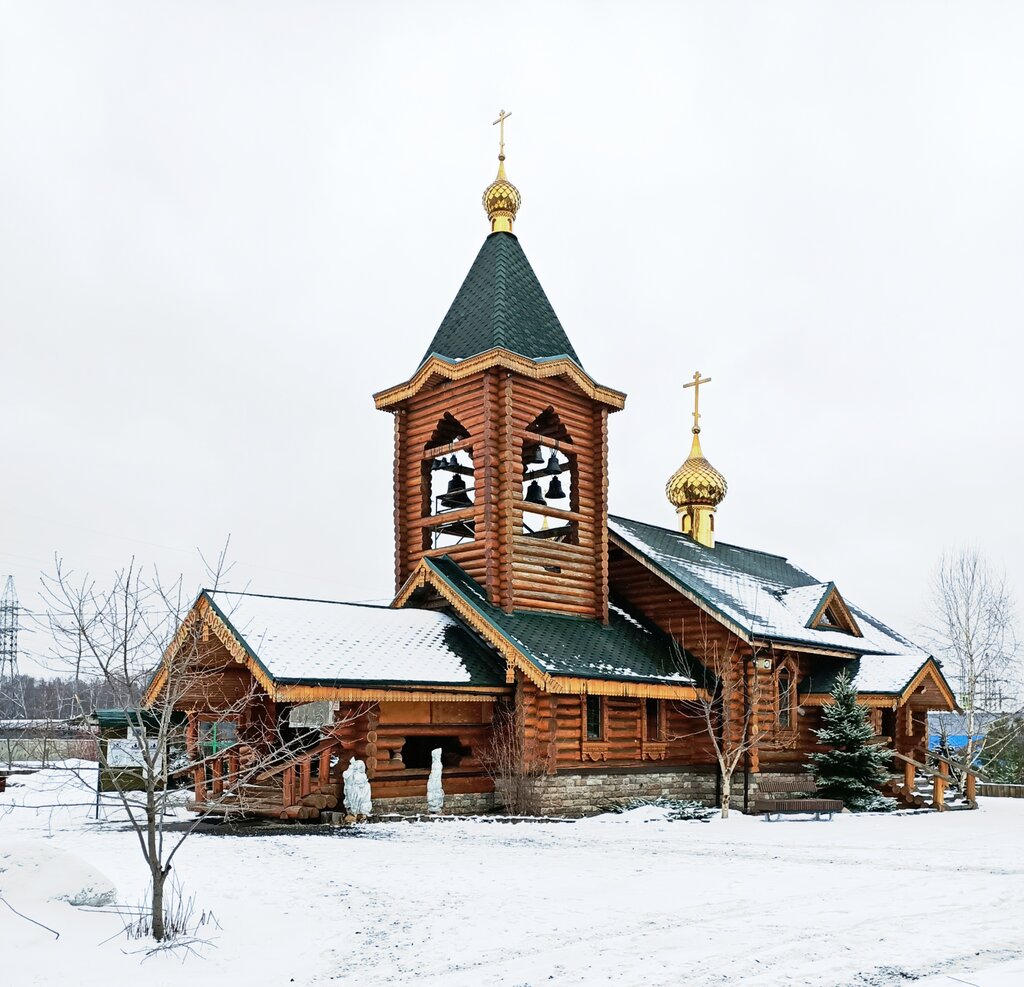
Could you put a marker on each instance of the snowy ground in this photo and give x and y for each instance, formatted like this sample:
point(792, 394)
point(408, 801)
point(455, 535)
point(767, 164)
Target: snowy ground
point(936, 899)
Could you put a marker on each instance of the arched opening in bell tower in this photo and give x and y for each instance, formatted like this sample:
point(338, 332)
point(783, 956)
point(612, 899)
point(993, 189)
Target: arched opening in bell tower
point(448, 485)
point(550, 479)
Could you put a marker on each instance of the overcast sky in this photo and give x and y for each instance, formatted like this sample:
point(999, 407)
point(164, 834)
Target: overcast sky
point(224, 225)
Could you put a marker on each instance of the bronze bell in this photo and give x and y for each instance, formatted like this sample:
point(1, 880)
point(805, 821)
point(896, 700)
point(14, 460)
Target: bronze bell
point(455, 496)
point(536, 456)
point(555, 491)
point(554, 466)
point(534, 495)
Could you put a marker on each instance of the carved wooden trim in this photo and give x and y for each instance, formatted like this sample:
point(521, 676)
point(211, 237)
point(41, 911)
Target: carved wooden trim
point(498, 357)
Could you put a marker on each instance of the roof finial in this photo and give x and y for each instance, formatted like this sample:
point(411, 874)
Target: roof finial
point(501, 197)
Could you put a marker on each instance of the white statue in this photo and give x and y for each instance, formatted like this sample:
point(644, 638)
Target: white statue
point(358, 802)
point(435, 793)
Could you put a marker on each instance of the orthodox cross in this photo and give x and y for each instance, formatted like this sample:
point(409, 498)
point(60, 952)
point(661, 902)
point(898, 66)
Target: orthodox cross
point(695, 384)
point(502, 117)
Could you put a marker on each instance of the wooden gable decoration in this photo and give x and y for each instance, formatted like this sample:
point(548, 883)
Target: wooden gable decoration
point(832, 614)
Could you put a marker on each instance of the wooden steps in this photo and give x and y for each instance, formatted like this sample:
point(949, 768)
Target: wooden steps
point(296, 787)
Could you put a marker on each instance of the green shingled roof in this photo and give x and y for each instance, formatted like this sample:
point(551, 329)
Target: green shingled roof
point(765, 595)
point(624, 649)
point(501, 303)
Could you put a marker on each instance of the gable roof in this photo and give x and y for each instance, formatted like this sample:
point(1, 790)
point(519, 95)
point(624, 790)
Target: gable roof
point(323, 642)
point(763, 596)
point(501, 304)
point(557, 646)
point(876, 675)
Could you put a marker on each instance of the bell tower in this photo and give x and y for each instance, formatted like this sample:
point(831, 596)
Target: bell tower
point(501, 439)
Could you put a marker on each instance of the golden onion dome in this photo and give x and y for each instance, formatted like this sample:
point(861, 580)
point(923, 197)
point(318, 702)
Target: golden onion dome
point(501, 200)
point(696, 481)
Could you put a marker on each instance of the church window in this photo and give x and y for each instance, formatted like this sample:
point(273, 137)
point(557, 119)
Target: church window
point(214, 736)
point(785, 688)
point(595, 718)
point(652, 716)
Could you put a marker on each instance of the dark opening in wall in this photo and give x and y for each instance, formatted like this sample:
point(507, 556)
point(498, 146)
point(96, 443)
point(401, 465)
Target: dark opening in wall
point(416, 752)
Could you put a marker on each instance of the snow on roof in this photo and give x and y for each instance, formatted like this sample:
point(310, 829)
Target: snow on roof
point(804, 600)
point(765, 595)
point(887, 673)
point(299, 640)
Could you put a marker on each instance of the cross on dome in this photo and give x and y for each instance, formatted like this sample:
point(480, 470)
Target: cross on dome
point(695, 384)
point(502, 117)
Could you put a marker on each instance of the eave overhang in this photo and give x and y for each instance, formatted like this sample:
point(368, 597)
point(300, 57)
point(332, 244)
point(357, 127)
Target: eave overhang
point(441, 367)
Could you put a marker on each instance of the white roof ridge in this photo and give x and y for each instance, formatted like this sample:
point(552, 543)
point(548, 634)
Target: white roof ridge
point(718, 543)
point(296, 599)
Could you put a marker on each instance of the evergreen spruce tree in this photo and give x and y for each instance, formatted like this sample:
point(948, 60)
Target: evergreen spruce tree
point(853, 769)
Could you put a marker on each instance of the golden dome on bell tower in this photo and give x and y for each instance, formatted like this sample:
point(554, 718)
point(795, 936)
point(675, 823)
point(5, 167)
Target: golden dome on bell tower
point(501, 198)
point(697, 488)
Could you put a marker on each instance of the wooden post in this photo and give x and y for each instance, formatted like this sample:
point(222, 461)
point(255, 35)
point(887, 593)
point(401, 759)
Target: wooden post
point(909, 773)
point(288, 786)
point(323, 772)
point(199, 775)
point(218, 779)
point(305, 785)
point(971, 789)
point(939, 791)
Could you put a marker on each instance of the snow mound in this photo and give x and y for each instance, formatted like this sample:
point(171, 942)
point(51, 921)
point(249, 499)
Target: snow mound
point(37, 871)
point(641, 814)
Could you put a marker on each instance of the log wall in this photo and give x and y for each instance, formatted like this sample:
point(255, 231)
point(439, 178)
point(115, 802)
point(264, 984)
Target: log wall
point(555, 732)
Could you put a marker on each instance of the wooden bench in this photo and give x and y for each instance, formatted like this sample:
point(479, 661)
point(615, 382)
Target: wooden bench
point(766, 785)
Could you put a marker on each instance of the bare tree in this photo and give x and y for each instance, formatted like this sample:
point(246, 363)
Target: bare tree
point(974, 629)
point(125, 633)
point(729, 695)
point(516, 765)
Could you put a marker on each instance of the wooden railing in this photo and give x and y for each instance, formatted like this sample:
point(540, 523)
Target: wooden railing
point(224, 770)
point(296, 786)
point(297, 773)
point(941, 778)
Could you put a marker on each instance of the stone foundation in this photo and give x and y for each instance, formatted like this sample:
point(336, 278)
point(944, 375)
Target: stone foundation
point(586, 793)
point(454, 805)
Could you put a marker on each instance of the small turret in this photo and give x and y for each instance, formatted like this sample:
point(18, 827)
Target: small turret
point(697, 488)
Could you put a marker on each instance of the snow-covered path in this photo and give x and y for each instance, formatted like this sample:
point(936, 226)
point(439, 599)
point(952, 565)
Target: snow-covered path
point(861, 900)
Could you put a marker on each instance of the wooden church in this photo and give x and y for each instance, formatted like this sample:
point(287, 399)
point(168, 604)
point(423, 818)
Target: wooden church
point(532, 633)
